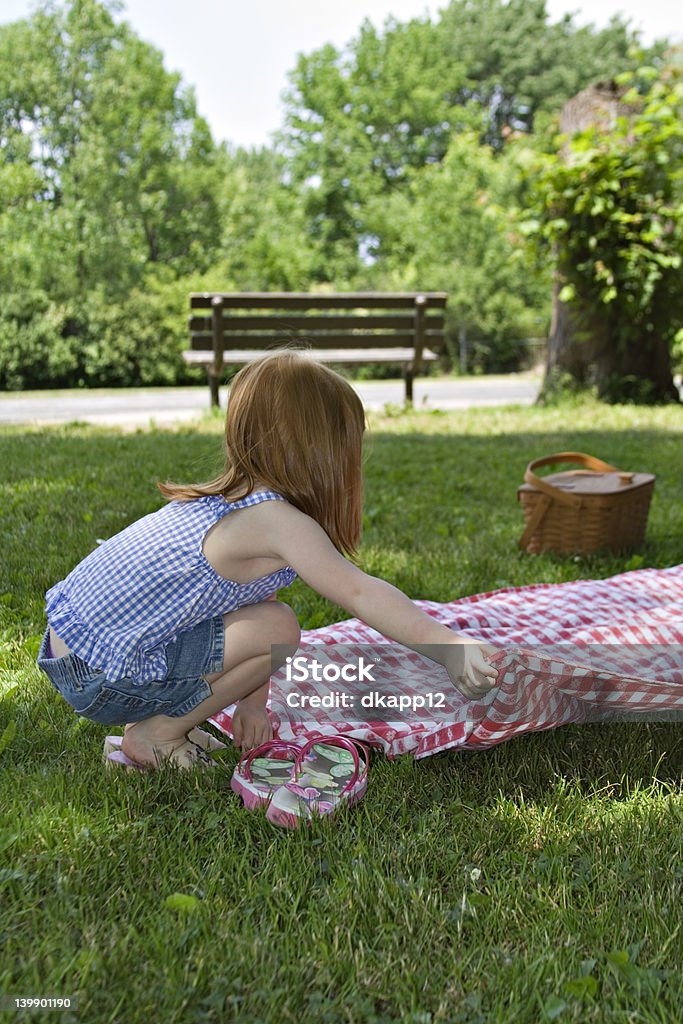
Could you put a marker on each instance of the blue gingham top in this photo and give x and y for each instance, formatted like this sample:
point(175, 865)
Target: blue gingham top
point(130, 597)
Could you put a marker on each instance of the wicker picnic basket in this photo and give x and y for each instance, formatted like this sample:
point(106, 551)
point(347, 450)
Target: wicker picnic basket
point(585, 509)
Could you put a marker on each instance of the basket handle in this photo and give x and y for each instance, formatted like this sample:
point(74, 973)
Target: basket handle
point(589, 461)
point(542, 506)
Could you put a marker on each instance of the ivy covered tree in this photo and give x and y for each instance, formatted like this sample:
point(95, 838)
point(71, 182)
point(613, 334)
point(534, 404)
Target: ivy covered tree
point(611, 212)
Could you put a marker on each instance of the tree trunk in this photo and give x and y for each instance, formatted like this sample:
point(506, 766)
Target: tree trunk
point(582, 346)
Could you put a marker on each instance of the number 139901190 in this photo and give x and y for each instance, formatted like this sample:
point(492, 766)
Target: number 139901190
point(9, 1002)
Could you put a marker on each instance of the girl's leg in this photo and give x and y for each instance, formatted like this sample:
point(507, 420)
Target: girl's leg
point(247, 665)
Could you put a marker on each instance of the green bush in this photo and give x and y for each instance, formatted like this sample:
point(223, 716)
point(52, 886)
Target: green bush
point(134, 343)
point(39, 342)
point(102, 344)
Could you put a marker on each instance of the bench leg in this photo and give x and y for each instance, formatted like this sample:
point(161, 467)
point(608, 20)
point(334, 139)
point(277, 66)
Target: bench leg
point(214, 384)
point(408, 377)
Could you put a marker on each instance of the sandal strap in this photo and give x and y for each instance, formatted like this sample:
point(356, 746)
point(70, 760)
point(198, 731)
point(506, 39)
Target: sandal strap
point(345, 743)
point(269, 748)
point(200, 755)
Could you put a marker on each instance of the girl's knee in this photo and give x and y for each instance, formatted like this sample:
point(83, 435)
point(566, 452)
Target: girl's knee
point(283, 625)
point(258, 638)
point(267, 623)
point(281, 632)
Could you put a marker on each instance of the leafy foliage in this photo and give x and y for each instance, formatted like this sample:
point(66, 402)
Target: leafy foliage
point(397, 167)
point(266, 240)
point(104, 155)
point(451, 230)
point(360, 120)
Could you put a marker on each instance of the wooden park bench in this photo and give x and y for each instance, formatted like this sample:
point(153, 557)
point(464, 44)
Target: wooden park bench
point(232, 328)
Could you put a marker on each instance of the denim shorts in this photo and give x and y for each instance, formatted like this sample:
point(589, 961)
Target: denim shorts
point(194, 653)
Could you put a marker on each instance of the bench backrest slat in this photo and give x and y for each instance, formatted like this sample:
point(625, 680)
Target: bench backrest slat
point(246, 324)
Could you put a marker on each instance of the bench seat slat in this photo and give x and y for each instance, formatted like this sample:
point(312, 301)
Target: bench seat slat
point(314, 340)
point(341, 355)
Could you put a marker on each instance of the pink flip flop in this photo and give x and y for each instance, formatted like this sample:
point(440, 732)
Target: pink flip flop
point(114, 757)
point(262, 770)
point(328, 773)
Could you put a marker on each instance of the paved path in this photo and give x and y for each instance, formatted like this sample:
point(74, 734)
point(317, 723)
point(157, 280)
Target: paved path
point(166, 406)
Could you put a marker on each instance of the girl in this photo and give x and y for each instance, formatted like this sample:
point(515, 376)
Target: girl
point(173, 619)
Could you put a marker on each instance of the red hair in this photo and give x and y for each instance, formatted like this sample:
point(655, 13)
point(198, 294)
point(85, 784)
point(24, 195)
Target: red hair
point(296, 427)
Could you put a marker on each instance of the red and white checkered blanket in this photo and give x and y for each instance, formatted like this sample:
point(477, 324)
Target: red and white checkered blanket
point(586, 651)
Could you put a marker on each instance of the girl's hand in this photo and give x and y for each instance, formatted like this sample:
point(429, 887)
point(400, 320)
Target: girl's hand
point(251, 726)
point(468, 669)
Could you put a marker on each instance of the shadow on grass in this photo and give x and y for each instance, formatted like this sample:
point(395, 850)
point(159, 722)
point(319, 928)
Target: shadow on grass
point(441, 515)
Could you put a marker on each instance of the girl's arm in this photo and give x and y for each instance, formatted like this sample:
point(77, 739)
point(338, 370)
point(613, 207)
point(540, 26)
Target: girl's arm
point(305, 546)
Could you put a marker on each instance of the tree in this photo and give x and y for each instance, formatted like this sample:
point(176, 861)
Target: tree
point(118, 162)
point(519, 65)
point(611, 210)
point(265, 241)
point(108, 183)
point(360, 120)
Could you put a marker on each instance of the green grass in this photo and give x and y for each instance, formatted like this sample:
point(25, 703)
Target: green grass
point(539, 880)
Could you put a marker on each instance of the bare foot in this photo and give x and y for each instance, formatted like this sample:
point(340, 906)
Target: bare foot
point(149, 750)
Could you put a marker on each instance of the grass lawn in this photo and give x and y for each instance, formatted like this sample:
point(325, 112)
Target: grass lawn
point(539, 880)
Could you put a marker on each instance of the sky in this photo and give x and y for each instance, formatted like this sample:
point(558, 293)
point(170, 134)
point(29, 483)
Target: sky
point(236, 53)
